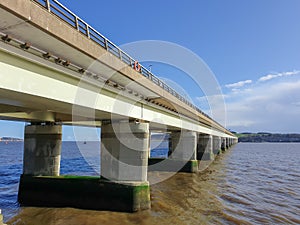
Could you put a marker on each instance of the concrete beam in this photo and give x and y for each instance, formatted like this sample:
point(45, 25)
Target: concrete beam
point(39, 81)
point(83, 123)
point(30, 116)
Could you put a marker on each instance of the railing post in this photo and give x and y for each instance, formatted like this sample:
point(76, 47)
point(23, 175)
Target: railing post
point(159, 83)
point(87, 30)
point(151, 77)
point(106, 44)
point(76, 23)
point(48, 6)
point(120, 54)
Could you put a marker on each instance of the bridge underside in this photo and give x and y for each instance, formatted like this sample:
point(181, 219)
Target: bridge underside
point(32, 91)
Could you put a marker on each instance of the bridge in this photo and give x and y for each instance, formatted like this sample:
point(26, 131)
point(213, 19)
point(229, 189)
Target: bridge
point(58, 70)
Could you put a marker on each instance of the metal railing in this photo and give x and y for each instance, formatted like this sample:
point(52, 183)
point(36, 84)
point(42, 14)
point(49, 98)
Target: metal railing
point(55, 7)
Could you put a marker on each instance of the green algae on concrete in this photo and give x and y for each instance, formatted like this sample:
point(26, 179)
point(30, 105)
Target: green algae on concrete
point(84, 192)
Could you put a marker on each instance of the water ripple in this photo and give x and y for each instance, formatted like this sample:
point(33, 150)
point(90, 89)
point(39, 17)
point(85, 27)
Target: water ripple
point(249, 184)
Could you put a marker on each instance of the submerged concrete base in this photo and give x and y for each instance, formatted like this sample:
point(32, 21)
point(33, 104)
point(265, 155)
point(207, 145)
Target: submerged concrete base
point(172, 165)
point(84, 192)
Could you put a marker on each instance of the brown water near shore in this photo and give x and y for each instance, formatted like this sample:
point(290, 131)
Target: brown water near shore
point(249, 184)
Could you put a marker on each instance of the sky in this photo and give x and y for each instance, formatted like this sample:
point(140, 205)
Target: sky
point(251, 46)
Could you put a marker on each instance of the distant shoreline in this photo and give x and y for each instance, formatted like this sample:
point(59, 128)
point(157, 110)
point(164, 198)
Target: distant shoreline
point(268, 137)
point(243, 137)
point(10, 139)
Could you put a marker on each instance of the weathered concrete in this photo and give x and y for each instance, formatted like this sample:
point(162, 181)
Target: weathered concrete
point(124, 151)
point(223, 144)
point(183, 145)
point(42, 150)
point(84, 192)
point(124, 159)
point(205, 147)
point(227, 143)
point(217, 145)
point(182, 151)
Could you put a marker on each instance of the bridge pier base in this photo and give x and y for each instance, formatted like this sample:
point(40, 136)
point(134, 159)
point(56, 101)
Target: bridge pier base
point(205, 147)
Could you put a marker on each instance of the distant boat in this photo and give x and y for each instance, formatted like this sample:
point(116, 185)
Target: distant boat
point(84, 142)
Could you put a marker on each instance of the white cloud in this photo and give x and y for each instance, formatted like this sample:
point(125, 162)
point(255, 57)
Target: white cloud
point(267, 107)
point(272, 76)
point(296, 104)
point(261, 106)
point(238, 84)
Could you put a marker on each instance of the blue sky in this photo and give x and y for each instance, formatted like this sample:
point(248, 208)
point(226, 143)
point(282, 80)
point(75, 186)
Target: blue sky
point(252, 47)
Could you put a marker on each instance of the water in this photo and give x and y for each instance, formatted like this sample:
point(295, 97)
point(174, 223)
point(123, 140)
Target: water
point(249, 184)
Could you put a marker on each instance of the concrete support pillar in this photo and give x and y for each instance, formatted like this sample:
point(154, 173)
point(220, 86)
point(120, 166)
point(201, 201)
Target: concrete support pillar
point(227, 143)
point(42, 150)
point(216, 145)
point(183, 145)
point(181, 155)
point(205, 147)
point(223, 144)
point(124, 151)
point(149, 145)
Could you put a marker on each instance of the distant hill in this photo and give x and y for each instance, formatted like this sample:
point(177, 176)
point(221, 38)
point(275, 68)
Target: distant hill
point(10, 139)
point(267, 137)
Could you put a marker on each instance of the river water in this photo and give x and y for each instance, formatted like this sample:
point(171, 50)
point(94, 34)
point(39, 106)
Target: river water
point(249, 184)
